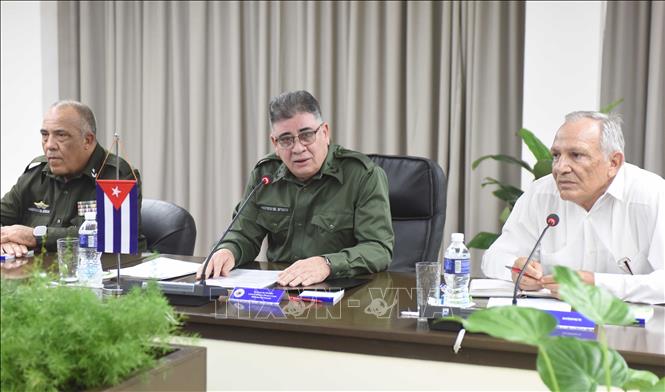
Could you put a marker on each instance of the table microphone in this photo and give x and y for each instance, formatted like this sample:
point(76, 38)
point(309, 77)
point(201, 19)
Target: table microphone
point(265, 180)
point(552, 220)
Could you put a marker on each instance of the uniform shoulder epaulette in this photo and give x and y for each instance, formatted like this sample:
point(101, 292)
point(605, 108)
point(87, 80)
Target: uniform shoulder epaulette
point(272, 157)
point(364, 159)
point(37, 162)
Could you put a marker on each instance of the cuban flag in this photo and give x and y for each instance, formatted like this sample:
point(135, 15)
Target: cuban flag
point(117, 216)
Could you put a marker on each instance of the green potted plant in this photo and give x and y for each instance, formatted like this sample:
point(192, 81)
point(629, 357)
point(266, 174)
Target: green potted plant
point(66, 338)
point(563, 363)
point(510, 193)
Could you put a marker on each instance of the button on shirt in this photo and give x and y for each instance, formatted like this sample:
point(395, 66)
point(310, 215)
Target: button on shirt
point(628, 220)
point(342, 213)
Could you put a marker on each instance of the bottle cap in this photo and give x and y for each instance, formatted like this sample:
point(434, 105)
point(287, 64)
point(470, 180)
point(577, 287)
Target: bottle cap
point(90, 215)
point(457, 237)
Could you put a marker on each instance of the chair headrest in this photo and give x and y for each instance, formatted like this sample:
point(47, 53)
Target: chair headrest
point(410, 182)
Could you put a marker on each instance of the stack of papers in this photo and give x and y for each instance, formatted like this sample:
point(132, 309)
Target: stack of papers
point(256, 279)
point(159, 268)
point(486, 288)
point(642, 313)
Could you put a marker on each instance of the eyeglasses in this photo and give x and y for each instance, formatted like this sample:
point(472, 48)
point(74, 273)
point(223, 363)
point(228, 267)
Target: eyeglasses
point(306, 137)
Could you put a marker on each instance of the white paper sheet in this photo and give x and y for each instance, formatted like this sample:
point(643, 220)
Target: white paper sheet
point(158, 268)
point(538, 303)
point(486, 288)
point(255, 279)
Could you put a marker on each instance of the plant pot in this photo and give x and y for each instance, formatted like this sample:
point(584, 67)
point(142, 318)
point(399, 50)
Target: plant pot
point(184, 369)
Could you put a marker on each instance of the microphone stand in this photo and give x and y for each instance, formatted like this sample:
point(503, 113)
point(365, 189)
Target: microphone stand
point(552, 220)
point(265, 180)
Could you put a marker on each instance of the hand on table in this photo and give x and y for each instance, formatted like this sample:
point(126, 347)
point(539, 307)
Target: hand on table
point(549, 283)
point(221, 263)
point(305, 272)
point(19, 235)
point(532, 274)
point(12, 248)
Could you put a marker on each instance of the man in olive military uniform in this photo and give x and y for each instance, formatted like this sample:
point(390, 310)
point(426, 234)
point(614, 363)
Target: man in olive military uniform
point(326, 210)
point(44, 202)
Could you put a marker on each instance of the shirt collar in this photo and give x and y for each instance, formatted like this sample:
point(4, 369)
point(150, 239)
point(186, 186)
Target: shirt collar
point(618, 184)
point(330, 167)
point(91, 169)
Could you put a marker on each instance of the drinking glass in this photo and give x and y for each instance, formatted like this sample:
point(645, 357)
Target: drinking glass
point(68, 259)
point(428, 282)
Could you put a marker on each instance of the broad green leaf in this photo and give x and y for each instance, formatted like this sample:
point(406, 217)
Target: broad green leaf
point(517, 324)
point(537, 148)
point(491, 181)
point(506, 192)
point(542, 168)
point(578, 364)
point(640, 379)
point(504, 215)
point(502, 158)
point(611, 106)
point(482, 240)
point(593, 302)
point(659, 387)
point(509, 194)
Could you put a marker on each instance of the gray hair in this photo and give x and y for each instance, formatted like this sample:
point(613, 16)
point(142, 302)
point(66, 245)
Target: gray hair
point(88, 123)
point(288, 104)
point(611, 136)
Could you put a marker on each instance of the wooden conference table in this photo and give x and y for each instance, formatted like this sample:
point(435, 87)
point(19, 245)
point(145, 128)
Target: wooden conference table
point(368, 321)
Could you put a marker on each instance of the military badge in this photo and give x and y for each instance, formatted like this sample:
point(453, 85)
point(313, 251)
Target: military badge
point(41, 205)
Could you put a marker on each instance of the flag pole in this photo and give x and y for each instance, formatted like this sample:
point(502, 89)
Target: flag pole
point(117, 177)
point(117, 290)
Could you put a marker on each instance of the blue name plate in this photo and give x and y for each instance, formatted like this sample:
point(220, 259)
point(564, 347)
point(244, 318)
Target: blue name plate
point(257, 296)
point(577, 333)
point(571, 320)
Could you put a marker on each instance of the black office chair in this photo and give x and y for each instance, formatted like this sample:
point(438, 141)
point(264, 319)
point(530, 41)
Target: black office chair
point(417, 192)
point(168, 228)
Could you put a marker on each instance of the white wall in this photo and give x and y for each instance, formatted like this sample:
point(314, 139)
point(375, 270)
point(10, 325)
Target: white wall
point(307, 369)
point(29, 82)
point(562, 64)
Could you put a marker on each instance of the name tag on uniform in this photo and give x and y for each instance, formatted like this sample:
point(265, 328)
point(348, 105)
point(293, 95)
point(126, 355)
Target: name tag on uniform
point(40, 207)
point(274, 208)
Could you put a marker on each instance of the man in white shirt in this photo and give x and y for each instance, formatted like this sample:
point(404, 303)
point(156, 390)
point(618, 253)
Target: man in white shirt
point(612, 217)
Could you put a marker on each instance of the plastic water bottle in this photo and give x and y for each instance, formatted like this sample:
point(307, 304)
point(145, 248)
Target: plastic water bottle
point(457, 272)
point(90, 265)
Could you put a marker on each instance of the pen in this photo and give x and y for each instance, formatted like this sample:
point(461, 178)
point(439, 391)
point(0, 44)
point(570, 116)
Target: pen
point(624, 264)
point(4, 258)
point(8, 257)
point(517, 271)
point(305, 299)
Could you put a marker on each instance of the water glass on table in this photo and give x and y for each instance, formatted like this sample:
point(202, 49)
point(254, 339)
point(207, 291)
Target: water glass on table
point(428, 282)
point(68, 258)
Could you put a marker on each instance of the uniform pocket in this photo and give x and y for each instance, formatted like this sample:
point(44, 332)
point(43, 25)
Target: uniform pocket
point(333, 232)
point(331, 222)
point(274, 222)
point(33, 219)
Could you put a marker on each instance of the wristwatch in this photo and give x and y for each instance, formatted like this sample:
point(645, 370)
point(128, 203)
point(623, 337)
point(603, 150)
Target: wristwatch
point(39, 232)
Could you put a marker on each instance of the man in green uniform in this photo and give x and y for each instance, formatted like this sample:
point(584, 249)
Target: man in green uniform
point(45, 199)
point(326, 210)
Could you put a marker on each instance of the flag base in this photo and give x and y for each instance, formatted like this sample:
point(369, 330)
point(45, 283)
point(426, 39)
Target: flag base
point(190, 294)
